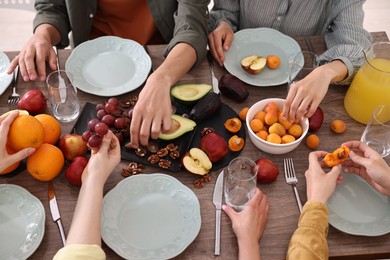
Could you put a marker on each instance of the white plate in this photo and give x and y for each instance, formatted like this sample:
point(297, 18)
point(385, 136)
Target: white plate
point(262, 42)
point(150, 216)
point(356, 208)
point(108, 66)
point(22, 222)
point(5, 79)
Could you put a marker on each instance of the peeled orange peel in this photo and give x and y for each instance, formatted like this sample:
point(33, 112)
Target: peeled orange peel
point(337, 156)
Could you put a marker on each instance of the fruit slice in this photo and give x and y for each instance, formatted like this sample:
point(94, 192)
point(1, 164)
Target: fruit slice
point(337, 156)
point(253, 64)
point(190, 93)
point(180, 126)
point(197, 162)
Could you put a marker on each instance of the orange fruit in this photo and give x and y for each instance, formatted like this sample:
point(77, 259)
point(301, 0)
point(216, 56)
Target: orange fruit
point(45, 163)
point(273, 61)
point(243, 113)
point(312, 141)
point(51, 127)
point(11, 167)
point(25, 131)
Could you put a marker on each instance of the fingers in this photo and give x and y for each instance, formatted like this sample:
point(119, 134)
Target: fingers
point(22, 154)
point(134, 129)
point(230, 212)
point(13, 64)
point(214, 44)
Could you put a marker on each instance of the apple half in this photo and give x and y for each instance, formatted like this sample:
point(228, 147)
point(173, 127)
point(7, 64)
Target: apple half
point(253, 64)
point(196, 161)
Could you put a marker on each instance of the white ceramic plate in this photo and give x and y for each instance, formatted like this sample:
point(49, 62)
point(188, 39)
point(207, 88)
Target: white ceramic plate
point(356, 208)
point(150, 216)
point(22, 222)
point(108, 66)
point(5, 79)
point(262, 42)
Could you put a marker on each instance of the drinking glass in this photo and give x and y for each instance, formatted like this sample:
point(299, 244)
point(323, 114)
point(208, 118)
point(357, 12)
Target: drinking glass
point(62, 96)
point(377, 132)
point(303, 63)
point(240, 182)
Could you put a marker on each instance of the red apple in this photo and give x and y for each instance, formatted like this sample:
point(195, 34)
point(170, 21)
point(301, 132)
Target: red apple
point(315, 121)
point(75, 170)
point(214, 145)
point(33, 101)
point(267, 171)
point(72, 145)
point(196, 161)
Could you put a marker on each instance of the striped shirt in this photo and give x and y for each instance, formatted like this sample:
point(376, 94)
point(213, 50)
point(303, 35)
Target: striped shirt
point(339, 21)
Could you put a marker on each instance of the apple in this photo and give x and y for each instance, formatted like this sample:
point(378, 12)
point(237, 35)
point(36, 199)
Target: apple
point(214, 145)
point(72, 145)
point(267, 171)
point(75, 170)
point(316, 120)
point(196, 161)
point(253, 64)
point(33, 101)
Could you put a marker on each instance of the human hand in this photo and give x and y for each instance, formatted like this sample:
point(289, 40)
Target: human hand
point(103, 160)
point(249, 224)
point(220, 40)
point(320, 185)
point(6, 158)
point(369, 165)
point(152, 113)
point(33, 56)
point(305, 95)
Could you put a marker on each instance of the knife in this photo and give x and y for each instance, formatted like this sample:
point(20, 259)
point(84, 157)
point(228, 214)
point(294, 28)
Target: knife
point(55, 213)
point(214, 80)
point(217, 200)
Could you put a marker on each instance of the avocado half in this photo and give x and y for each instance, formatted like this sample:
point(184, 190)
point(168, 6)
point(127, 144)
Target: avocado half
point(188, 94)
point(180, 126)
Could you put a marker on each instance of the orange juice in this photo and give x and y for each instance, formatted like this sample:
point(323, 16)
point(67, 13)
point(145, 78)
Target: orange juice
point(369, 88)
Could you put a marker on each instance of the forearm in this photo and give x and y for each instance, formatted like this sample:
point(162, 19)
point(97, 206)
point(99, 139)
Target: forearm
point(85, 227)
point(248, 250)
point(179, 61)
point(335, 71)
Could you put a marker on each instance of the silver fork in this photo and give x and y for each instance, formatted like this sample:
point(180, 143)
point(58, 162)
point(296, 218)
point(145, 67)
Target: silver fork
point(291, 179)
point(14, 98)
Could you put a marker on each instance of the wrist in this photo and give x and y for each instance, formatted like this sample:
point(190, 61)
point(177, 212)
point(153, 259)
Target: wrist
point(48, 32)
point(334, 71)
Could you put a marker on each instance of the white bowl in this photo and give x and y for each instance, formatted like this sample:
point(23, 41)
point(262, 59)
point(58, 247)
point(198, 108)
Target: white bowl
point(267, 146)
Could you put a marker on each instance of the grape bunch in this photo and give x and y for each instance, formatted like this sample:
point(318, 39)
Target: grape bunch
point(114, 115)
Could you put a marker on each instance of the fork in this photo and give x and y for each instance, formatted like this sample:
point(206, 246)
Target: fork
point(14, 98)
point(289, 174)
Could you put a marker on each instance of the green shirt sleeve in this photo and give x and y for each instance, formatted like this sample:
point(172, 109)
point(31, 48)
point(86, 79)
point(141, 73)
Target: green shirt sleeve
point(309, 239)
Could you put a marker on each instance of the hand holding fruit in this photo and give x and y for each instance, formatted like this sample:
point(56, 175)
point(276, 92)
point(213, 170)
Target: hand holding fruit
point(9, 159)
point(103, 160)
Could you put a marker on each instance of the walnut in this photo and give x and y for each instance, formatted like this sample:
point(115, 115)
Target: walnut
point(174, 154)
point(140, 151)
point(162, 152)
point(164, 163)
point(152, 146)
point(154, 158)
point(198, 184)
point(171, 147)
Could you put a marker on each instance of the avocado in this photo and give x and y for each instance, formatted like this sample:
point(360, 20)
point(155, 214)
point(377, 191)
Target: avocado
point(188, 94)
point(180, 126)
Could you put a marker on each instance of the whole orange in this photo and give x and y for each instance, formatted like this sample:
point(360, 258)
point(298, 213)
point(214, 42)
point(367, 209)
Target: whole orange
point(13, 166)
point(51, 127)
point(46, 162)
point(25, 131)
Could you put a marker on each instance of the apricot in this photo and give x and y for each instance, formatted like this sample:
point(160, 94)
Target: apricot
point(274, 138)
point(263, 134)
point(236, 143)
point(233, 125)
point(256, 125)
point(271, 117)
point(312, 141)
point(243, 113)
point(295, 130)
point(338, 126)
point(260, 115)
point(278, 129)
point(273, 61)
point(288, 139)
point(284, 122)
point(271, 106)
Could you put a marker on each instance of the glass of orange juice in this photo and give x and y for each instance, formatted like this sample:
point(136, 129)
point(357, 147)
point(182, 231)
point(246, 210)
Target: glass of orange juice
point(371, 85)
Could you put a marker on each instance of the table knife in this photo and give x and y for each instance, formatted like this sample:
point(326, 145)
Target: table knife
point(217, 200)
point(214, 80)
point(55, 213)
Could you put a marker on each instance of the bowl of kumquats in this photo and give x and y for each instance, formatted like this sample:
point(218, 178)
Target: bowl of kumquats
point(269, 132)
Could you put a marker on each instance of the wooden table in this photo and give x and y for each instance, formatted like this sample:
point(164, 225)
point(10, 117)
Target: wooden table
point(283, 215)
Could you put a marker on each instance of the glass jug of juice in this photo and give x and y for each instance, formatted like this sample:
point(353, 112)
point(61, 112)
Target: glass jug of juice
point(371, 85)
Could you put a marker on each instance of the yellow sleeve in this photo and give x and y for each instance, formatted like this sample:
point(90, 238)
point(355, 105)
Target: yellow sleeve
point(80, 252)
point(309, 239)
